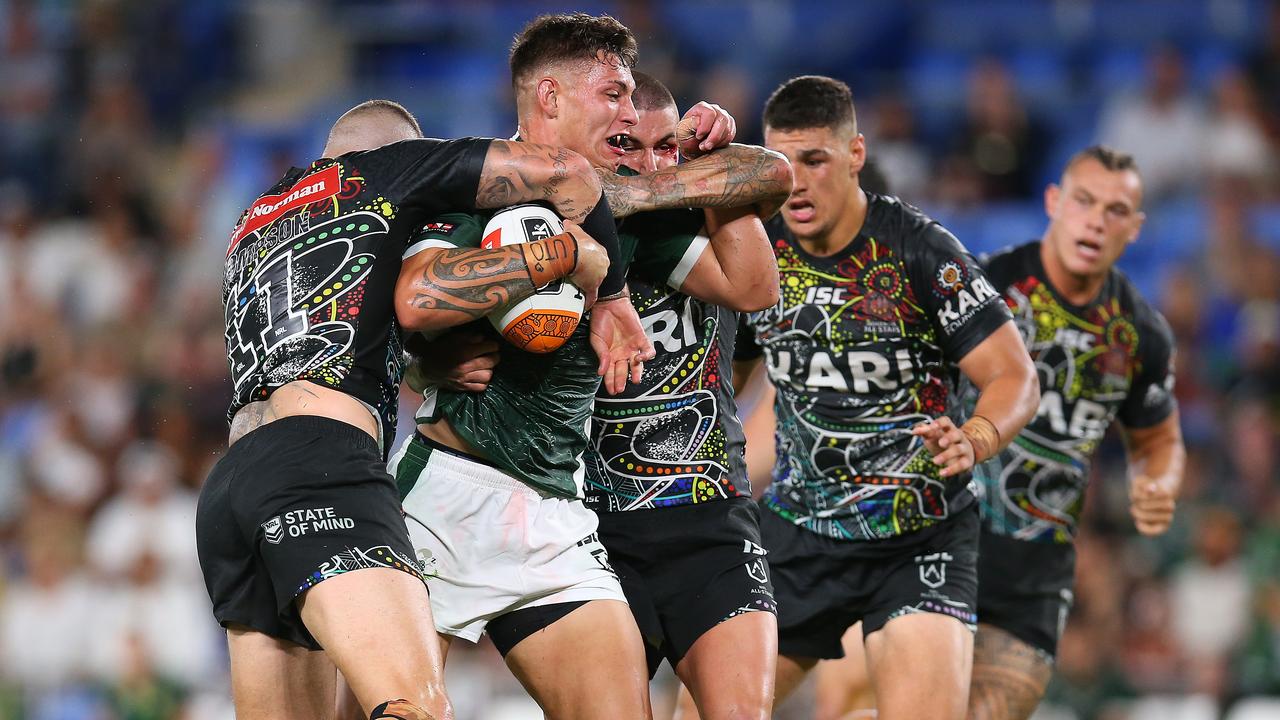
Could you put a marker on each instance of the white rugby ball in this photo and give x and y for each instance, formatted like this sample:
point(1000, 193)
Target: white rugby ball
point(543, 321)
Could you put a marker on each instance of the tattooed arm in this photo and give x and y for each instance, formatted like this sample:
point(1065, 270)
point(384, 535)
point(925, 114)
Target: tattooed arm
point(440, 288)
point(520, 172)
point(735, 176)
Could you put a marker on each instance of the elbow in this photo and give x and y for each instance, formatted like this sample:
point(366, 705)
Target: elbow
point(780, 168)
point(414, 312)
point(761, 297)
point(1030, 390)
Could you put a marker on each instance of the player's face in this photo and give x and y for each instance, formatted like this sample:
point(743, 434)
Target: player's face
point(1093, 216)
point(652, 143)
point(825, 163)
point(595, 107)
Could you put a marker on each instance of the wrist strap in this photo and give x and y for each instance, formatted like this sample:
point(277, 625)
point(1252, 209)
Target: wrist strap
point(983, 435)
point(551, 259)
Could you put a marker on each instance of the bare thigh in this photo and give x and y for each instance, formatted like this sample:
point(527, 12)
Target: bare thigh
point(919, 666)
point(730, 669)
point(375, 625)
point(273, 679)
point(588, 665)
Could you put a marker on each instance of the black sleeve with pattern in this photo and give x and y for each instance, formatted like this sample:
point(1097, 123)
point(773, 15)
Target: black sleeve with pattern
point(963, 305)
point(1150, 398)
point(427, 176)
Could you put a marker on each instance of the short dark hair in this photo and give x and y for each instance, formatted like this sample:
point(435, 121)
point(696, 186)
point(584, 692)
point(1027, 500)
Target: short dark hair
point(810, 101)
point(650, 93)
point(1108, 157)
point(373, 107)
point(568, 37)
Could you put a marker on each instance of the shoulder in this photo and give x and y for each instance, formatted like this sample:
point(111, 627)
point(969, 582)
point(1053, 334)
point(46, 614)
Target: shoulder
point(890, 219)
point(1010, 264)
point(1152, 326)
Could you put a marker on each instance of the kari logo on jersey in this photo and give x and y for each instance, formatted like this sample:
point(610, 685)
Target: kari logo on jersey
point(933, 569)
point(439, 228)
point(965, 303)
point(855, 371)
point(268, 209)
point(273, 530)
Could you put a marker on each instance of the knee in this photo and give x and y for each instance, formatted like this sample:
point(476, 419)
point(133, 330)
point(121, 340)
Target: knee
point(405, 710)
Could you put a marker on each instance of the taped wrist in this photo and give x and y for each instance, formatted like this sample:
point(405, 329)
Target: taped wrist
point(399, 710)
point(550, 259)
point(599, 224)
point(983, 436)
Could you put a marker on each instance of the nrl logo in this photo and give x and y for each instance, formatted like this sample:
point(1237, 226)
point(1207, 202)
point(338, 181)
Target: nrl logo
point(537, 229)
point(933, 569)
point(273, 530)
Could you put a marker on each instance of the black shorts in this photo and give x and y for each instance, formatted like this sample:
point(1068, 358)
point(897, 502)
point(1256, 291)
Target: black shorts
point(293, 503)
point(687, 569)
point(825, 585)
point(1024, 588)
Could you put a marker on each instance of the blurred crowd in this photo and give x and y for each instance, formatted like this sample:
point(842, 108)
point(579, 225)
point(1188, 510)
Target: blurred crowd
point(132, 132)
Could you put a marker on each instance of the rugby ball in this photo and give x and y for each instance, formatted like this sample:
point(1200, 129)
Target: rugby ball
point(542, 322)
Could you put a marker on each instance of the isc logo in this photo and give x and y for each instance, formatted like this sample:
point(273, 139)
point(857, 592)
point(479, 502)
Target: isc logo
point(824, 296)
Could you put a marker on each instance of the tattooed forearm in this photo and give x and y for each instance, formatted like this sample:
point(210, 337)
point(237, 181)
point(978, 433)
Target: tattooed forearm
point(1009, 676)
point(472, 282)
point(735, 176)
point(516, 172)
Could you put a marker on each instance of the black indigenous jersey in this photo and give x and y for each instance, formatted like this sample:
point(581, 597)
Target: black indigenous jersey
point(673, 438)
point(532, 419)
point(312, 266)
point(1109, 359)
point(860, 348)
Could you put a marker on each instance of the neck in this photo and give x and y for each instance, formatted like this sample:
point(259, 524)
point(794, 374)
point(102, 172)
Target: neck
point(537, 130)
point(843, 232)
point(1077, 289)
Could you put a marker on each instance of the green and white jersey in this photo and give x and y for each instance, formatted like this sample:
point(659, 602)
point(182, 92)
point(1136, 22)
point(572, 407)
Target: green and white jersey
point(674, 438)
point(531, 422)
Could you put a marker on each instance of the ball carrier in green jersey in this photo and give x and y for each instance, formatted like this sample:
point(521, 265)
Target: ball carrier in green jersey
point(1103, 354)
point(517, 445)
point(868, 517)
point(664, 469)
point(298, 527)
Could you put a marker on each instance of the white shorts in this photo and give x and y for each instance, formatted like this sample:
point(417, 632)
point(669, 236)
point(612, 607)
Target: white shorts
point(492, 544)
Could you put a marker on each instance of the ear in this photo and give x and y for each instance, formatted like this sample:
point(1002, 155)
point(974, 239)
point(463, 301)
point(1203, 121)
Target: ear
point(1138, 219)
point(1051, 194)
point(857, 154)
point(548, 93)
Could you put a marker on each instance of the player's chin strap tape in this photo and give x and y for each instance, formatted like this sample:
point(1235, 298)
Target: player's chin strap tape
point(551, 259)
point(600, 226)
point(400, 710)
point(983, 436)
